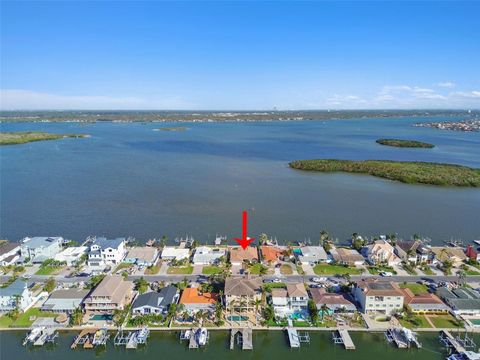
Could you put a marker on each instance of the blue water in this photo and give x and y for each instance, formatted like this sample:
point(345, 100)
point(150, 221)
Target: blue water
point(127, 179)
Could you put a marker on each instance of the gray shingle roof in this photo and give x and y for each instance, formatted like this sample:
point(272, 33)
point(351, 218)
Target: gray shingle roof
point(161, 299)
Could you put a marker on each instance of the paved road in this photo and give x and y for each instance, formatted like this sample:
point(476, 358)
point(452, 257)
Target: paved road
point(283, 278)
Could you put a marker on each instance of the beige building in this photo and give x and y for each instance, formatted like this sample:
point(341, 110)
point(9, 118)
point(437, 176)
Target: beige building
point(113, 293)
point(378, 296)
point(241, 293)
point(455, 254)
point(381, 252)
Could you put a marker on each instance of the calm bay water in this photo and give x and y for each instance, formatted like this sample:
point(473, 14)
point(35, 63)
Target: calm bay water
point(127, 179)
point(267, 345)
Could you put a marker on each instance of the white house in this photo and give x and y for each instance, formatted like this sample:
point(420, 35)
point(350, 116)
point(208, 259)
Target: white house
point(312, 255)
point(40, 248)
point(71, 255)
point(288, 301)
point(173, 253)
point(381, 252)
point(16, 295)
point(378, 296)
point(9, 253)
point(104, 252)
point(205, 255)
point(142, 255)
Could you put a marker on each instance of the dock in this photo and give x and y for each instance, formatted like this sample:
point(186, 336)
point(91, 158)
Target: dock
point(456, 344)
point(343, 337)
point(46, 336)
point(295, 337)
point(131, 339)
point(194, 337)
point(85, 338)
point(402, 337)
point(244, 338)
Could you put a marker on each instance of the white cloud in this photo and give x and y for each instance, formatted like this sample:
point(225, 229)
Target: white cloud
point(470, 94)
point(11, 99)
point(446, 84)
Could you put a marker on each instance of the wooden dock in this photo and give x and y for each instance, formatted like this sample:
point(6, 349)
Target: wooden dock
point(343, 337)
point(244, 338)
point(84, 338)
point(47, 335)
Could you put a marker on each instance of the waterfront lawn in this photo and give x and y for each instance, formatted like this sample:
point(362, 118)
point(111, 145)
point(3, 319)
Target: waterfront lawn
point(326, 322)
point(286, 269)
point(327, 269)
point(445, 321)
point(377, 269)
point(23, 319)
point(211, 270)
point(180, 270)
point(415, 321)
point(415, 288)
point(301, 323)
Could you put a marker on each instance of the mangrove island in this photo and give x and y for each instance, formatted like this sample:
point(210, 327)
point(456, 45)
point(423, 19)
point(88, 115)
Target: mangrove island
point(14, 138)
point(403, 171)
point(405, 143)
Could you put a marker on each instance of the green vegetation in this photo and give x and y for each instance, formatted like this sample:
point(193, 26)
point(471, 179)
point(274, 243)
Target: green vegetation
point(180, 270)
point(50, 267)
point(49, 285)
point(415, 288)
point(469, 271)
point(445, 321)
point(211, 270)
point(94, 281)
point(377, 269)
point(405, 143)
point(269, 286)
point(286, 269)
point(14, 138)
point(141, 285)
point(415, 321)
point(426, 270)
point(409, 268)
point(403, 171)
point(25, 319)
point(327, 269)
point(152, 270)
point(257, 269)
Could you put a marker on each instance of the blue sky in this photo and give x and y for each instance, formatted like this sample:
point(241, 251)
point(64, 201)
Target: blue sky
point(239, 55)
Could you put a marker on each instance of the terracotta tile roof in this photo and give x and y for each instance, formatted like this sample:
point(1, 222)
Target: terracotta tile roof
point(427, 298)
point(238, 254)
point(320, 296)
point(192, 296)
point(270, 253)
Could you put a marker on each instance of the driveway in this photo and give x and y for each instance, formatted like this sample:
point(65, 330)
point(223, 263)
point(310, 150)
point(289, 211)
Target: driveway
point(308, 269)
point(197, 270)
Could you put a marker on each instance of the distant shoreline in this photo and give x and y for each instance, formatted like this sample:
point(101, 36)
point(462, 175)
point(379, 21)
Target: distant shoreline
point(24, 137)
point(405, 143)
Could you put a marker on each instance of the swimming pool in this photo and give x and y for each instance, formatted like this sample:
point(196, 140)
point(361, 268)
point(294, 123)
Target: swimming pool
point(297, 251)
point(237, 318)
point(475, 322)
point(101, 317)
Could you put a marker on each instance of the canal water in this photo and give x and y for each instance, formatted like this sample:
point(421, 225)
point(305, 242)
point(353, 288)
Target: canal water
point(267, 345)
point(127, 179)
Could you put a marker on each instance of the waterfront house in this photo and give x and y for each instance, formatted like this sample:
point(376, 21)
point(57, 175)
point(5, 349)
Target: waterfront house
point(16, 295)
point(311, 255)
point(426, 303)
point(105, 252)
point(462, 301)
point(344, 256)
point(472, 253)
point(381, 252)
point(64, 300)
point(406, 250)
point(242, 292)
point(238, 255)
point(193, 300)
point(270, 254)
point(155, 302)
point(378, 296)
point(289, 301)
point(142, 255)
point(333, 301)
point(9, 253)
point(454, 254)
point(205, 255)
point(71, 255)
point(40, 248)
point(113, 293)
point(172, 253)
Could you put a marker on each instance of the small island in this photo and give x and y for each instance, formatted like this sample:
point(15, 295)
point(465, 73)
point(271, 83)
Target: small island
point(176, 128)
point(15, 138)
point(403, 171)
point(405, 143)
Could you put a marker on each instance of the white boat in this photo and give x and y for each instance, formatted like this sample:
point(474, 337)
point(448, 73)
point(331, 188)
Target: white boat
point(202, 336)
point(476, 242)
point(33, 335)
point(467, 355)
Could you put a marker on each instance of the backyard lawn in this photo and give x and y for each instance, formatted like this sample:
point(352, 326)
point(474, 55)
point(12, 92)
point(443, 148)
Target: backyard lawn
point(211, 270)
point(180, 270)
point(419, 321)
point(24, 319)
point(326, 269)
point(445, 321)
point(415, 288)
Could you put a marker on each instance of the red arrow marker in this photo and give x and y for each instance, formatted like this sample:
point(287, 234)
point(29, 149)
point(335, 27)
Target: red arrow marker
point(245, 240)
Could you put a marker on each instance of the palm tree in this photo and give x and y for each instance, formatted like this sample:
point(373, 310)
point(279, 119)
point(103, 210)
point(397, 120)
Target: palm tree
point(324, 308)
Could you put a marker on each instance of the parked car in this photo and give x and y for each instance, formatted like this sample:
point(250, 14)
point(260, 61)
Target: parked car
point(276, 280)
point(318, 279)
point(386, 274)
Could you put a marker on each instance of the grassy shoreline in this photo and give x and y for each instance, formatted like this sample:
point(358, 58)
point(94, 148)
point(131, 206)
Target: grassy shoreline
point(404, 171)
point(405, 143)
point(23, 137)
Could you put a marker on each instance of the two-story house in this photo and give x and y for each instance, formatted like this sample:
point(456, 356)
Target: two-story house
point(378, 296)
point(241, 293)
point(113, 293)
point(293, 299)
point(381, 252)
point(16, 296)
point(105, 252)
point(40, 248)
